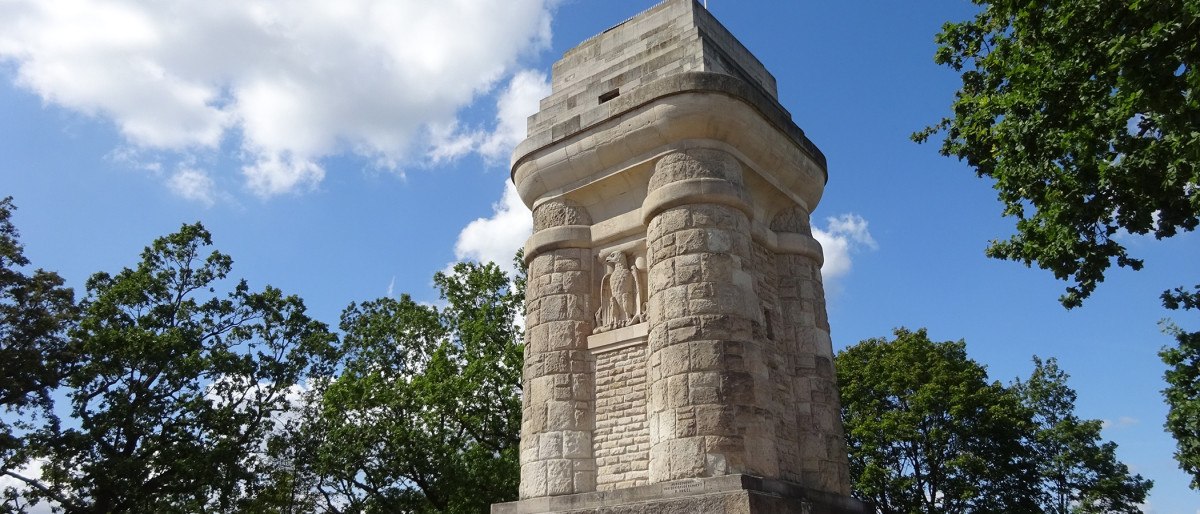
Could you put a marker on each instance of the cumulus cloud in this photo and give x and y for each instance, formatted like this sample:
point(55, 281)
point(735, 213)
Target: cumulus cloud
point(288, 82)
point(842, 236)
point(519, 101)
point(498, 237)
point(515, 104)
point(193, 184)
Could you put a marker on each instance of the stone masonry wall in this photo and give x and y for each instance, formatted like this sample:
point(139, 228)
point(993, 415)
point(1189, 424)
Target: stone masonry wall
point(558, 415)
point(622, 439)
point(710, 389)
point(822, 451)
point(708, 375)
point(781, 350)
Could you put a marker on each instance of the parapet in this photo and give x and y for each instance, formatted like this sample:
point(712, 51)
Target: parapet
point(675, 37)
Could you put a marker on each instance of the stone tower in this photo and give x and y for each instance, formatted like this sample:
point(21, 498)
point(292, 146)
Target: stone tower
point(678, 352)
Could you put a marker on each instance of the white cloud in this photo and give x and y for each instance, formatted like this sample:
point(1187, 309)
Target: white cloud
point(449, 141)
point(275, 173)
point(1121, 422)
point(515, 104)
point(289, 81)
point(843, 235)
point(193, 184)
point(497, 238)
point(519, 101)
point(131, 157)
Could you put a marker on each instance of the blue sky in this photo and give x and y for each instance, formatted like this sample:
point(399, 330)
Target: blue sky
point(348, 150)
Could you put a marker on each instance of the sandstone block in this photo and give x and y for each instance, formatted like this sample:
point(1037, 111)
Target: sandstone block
point(677, 391)
point(533, 479)
point(541, 265)
point(567, 264)
point(560, 477)
point(550, 445)
point(584, 480)
point(576, 444)
point(560, 415)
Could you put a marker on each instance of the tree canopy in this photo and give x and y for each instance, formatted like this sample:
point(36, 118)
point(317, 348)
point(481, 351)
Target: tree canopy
point(1078, 473)
point(425, 415)
point(928, 433)
point(1087, 117)
point(35, 312)
point(174, 390)
point(1183, 385)
point(182, 390)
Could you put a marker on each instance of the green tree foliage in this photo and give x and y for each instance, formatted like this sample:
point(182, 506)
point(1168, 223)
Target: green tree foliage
point(425, 416)
point(1183, 384)
point(175, 390)
point(928, 433)
point(184, 391)
point(1079, 473)
point(1087, 117)
point(35, 310)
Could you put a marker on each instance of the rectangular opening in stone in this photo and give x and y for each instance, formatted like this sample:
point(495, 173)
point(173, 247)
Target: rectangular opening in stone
point(610, 95)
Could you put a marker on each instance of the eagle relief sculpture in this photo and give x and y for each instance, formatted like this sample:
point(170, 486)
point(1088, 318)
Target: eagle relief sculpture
point(621, 296)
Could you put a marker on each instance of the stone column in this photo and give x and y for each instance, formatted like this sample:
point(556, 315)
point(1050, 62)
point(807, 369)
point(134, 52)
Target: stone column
point(558, 417)
point(822, 462)
point(709, 381)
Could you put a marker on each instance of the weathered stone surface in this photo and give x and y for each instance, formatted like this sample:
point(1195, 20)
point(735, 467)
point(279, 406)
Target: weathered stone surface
point(729, 494)
point(792, 220)
point(670, 38)
point(696, 163)
point(558, 213)
point(622, 437)
point(678, 356)
point(558, 414)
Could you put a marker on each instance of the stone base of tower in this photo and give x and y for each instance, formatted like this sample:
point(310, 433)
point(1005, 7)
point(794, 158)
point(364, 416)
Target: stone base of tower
point(730, 494)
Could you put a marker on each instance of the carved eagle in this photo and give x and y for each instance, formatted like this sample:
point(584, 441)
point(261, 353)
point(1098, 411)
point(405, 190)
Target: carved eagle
point(620, 293)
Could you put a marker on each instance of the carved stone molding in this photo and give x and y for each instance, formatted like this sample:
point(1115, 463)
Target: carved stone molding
point(794, 220)
point(558, 213)
point(696, 175)
point(696, 163)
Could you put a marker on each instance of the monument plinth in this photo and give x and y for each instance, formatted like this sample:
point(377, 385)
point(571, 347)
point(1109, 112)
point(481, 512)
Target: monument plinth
point(678, 352)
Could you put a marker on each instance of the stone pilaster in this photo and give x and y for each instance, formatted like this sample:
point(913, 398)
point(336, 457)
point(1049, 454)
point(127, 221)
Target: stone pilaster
point(804, 329)
point(709, 381)
point(558, 415)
